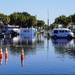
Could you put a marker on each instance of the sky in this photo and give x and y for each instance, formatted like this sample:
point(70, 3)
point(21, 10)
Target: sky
point(41, 8)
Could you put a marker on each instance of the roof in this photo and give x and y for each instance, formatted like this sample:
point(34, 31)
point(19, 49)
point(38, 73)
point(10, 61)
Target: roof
point(61, 29)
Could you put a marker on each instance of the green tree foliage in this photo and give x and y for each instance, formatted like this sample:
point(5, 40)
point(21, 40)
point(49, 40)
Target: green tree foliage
point(4, 18)
point(24, 13)
point(24, 19)
point(72, 18)
point(14, 18)
point(62, 20)
point(31, 21)
point(46, 27)
point(21, 20)
point(53, 26)
point(40, 23)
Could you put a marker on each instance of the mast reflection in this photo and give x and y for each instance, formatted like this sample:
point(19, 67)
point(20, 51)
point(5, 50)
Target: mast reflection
point(63, 43)
point(64, 47)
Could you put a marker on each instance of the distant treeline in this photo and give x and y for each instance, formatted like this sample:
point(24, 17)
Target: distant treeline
point(64, 21)
point(23, 19)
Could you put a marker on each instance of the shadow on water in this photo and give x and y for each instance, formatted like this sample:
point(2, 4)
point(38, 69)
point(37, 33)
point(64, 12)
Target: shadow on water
point(64, 46)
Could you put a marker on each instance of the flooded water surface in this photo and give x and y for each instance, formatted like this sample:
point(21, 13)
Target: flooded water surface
point(37, 56)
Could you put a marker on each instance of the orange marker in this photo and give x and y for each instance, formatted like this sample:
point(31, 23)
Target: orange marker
point(1, 61)
point(6, 56)
point(22, 57)
point(22, 49)
point(1, 55)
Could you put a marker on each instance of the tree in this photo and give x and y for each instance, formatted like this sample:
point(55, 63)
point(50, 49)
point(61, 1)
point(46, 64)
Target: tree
point(53, 26)
point(62, 20)
point(13, 18)
point(72, 18)
point(5, 18)
point(22, 20)
point(40, 24)
point(31, 21)
point(26, 14)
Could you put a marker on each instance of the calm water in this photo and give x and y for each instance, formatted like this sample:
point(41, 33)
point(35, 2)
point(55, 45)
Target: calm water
point(43, 56)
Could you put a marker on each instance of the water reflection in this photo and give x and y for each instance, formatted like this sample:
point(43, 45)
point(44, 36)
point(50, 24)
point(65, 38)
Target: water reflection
point(20, 41)
point(63, 43)
point(40, 41)
point(22, 57)
point(6, 55)
point(64, 46)
point(19, 46)
point(40, 38)
point(1, 56)
point(15, 41)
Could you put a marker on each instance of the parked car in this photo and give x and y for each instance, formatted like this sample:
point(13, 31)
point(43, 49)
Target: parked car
point(62, 32)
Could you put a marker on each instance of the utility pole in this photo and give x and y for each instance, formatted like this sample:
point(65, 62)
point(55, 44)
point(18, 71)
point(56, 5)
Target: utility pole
point(48, 18)
point(48, 23)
